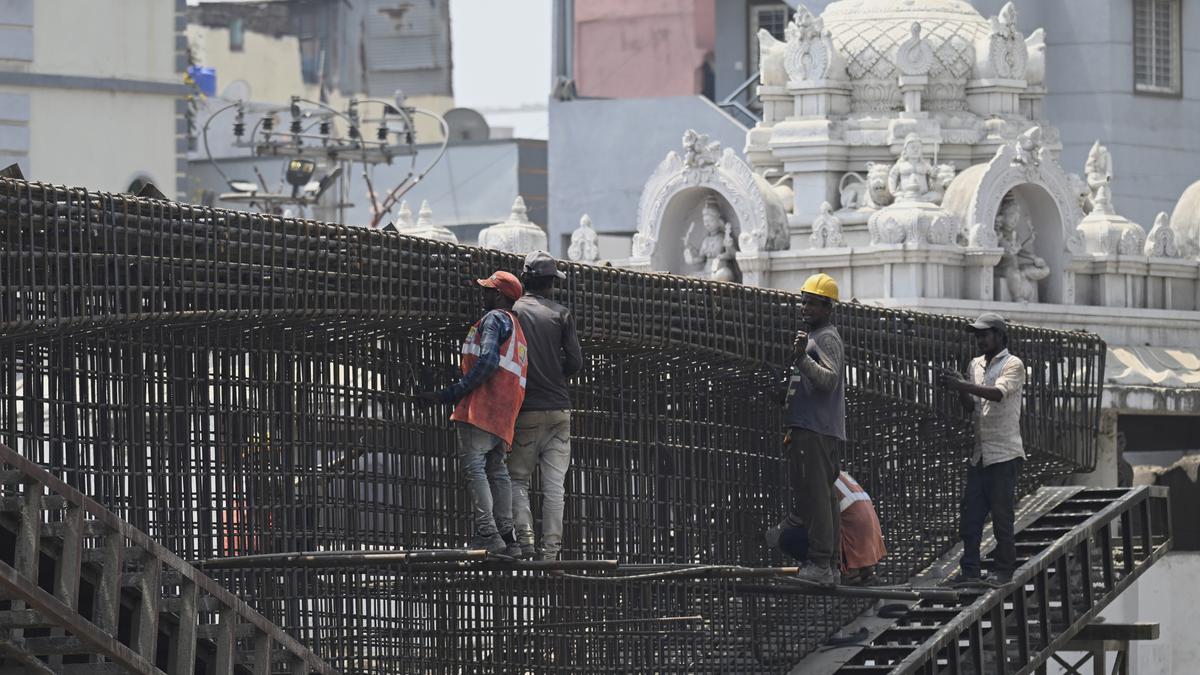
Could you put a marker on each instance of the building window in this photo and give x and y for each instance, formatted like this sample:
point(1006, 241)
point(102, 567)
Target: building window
point(237, 35)
point(1156, 46)
point(773, 16)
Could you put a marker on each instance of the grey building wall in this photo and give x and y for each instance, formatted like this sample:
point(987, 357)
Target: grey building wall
point(603, 150)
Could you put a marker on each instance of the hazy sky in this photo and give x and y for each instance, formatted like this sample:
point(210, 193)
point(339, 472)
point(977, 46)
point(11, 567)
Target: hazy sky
point(501, 54)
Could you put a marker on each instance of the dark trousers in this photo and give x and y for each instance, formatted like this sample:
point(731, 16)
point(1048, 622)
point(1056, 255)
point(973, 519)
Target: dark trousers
point(990, 489)
point(813, 465)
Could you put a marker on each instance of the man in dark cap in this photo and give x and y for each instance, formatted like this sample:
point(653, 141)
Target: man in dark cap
point(993, 392)
point(489, 396)
point(543, 434)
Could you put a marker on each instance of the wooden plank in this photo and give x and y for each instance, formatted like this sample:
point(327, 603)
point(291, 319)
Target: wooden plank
point(144, 637)
point(1118, 631)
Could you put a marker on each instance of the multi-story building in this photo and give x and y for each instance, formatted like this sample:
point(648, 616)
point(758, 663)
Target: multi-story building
point(93, 93)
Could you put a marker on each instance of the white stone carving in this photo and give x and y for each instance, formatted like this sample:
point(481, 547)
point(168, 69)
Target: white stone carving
point(868, 34)
point(1019, 268)
point(852, 191)
point(1029, 148)
point(827, 229)
point(910, 177)
point(760, 212)
point(404, 219)
point(914, 56)
point(712, 241)
point(1160, 241)
point(913, 218)
point(1098, 170)
point(1002, 53)
point(1035, 68)
point(977, 194)
point(771, 72)
point(809, 54)
point(698, 151)
point(724, 267)
point(585, 243)
point(878, 194)
point(424, 227)
point(1185, 221)
point(515, 235)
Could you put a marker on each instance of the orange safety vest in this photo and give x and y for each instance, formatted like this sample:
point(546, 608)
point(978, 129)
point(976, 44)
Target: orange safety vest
point(861, 536)
point(493, 405)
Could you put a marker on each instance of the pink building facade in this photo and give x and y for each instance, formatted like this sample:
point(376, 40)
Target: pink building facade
point(634, 48)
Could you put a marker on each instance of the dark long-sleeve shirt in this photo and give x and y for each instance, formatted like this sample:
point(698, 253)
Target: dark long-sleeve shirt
point(494, 330)
point(554, 353)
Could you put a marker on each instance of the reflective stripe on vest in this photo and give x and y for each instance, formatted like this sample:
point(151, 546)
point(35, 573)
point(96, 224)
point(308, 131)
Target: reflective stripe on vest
point(510, 360)
point(851, 491)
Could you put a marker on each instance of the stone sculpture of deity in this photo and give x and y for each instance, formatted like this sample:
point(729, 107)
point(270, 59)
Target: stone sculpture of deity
point(1019, 266)
point(1099, 174)
point(910, 177)
point(585, 243)
point(713, 243)
point(724, 268)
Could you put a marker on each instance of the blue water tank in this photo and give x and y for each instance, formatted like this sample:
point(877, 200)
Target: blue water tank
point(205, 79)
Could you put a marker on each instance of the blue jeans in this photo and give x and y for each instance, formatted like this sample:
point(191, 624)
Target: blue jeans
point(990, 489)
point(484, 468)
point(542, 440)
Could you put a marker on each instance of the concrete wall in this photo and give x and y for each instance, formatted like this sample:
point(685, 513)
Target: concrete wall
point(602, 152)
point(1167, 594)
point(91, 92)
point(632, 48)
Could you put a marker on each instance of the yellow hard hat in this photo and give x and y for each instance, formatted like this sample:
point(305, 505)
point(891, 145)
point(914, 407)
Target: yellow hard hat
point(821, 284)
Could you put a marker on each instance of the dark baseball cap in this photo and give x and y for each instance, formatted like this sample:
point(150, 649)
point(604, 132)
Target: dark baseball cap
point(989, 321)
point(542, 264)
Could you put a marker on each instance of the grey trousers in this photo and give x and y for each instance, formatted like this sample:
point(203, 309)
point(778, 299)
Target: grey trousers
point(813, 465)
point(483, 465)
point(542, 440)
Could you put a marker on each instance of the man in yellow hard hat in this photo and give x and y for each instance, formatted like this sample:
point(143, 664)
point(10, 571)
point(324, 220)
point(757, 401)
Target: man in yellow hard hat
point(816, 420)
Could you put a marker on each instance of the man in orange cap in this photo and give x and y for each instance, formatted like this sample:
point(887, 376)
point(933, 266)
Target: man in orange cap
point(488, 397)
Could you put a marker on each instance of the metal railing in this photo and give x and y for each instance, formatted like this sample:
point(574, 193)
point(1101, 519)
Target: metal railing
point(108, 574)
point(734, 102)
point(1074, 560)
point(237, 384)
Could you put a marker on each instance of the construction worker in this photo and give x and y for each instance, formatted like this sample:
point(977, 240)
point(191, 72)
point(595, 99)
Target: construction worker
point(488, 397)
point(861, 537)
point(997, 379)
point(543, 435)
point(816, 420)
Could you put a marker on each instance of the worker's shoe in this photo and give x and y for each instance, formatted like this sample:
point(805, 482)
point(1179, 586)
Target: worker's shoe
point(512, 548)
point(528, 552)
point(492, 543)
point(818, 574)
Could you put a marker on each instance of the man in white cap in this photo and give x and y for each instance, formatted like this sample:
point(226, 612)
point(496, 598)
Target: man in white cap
point(543, 430)
point(997, 380)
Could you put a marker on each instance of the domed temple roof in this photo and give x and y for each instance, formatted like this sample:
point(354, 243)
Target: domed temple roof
point(868, 34)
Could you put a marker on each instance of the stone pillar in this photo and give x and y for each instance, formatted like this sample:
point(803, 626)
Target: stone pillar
point(1107, 455)
point(911, 88)
point(979, 265)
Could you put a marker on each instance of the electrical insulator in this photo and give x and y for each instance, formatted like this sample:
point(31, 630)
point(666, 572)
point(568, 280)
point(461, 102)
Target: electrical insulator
point(382, 133)
point(325, 127)
point(296, 126)
point(239, 125)
point(268, 123)
point(353, 133)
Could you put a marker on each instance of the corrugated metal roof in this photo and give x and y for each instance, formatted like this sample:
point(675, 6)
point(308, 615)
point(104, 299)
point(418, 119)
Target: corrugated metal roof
point(1174, 367)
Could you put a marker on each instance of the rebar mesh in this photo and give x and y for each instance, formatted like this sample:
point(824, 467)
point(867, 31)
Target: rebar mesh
point(236, 383)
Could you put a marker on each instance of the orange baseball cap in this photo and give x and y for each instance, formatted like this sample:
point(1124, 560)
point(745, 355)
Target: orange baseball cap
point(508, 285)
